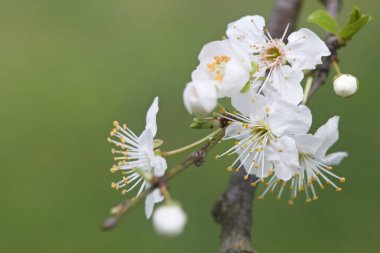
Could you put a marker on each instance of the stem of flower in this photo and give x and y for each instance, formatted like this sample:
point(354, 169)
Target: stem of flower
point(187, 147)
point(119, 210)
point(336, 67)
point(308, 84)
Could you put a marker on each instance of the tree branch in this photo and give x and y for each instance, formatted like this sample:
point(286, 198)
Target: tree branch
point(284, 12)
point(233, 209)
point(321, 74)
point(196, 158)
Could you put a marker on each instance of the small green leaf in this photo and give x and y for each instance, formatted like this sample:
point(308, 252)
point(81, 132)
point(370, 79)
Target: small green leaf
point(157, 143)
point(246, 87)
point(355, 23)
point(355, 15)
point(324, 20)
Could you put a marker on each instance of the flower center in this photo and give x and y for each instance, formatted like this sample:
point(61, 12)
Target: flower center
point(273, 52)
point(217, 67)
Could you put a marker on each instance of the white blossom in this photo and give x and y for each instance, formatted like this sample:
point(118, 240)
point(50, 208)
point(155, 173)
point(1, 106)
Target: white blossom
point(169, 220)
point(200, 97)
point(261, 127)
point(345, 85)
point(225, 63)
point(280, 65)
point(136, 158)
point(314, 164)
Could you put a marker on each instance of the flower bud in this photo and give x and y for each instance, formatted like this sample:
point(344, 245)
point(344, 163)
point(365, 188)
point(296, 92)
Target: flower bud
point(200, 97)
point(345, 85)
point(169, 220)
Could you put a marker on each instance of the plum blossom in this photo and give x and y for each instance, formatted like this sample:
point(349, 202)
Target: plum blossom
point(314, 164)
point(279, 64)
point(262, 128)
point(136, 158)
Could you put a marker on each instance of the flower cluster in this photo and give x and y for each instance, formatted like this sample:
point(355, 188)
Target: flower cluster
point(262, 77)
point(269, 126)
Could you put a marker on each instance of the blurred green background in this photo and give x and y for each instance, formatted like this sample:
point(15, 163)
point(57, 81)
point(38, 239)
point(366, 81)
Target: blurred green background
point(69, 68)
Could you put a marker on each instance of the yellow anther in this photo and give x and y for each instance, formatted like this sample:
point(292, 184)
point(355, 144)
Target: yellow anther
point(113, 151)
point(109, 140)
point(308, 200)
point(338, 189)
point(328, 182)
point(229, 122)
point(267, 109)
point(124, 191)
point(329, 167)
point(315, 198)
point(260, 197)
point(217, 156)
point(280, 150)
point(235, 112)
point(229, 169)
point(253, 184)
point(290, 202)
point(342, 179)
point(113, 185)
point(246, 177)
point(262, 180)
point(237, 142)
point(115, 123)
point(125, 180)
point(125, 126)
point(113, 169)
point(237, 170)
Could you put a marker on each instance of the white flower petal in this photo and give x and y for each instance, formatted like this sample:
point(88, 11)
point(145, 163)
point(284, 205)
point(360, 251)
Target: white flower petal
point(287, 81)
point(335, 158)
point(200, 97)
point(149, 204)
point(284, 154)
point(236, 77)
point(159, 166)
point(250, 103)
point(307, 143)
point(234, 130)
point(146, 140)
point(305, 49)
point(151, 117)
point(151, 199)
point(289, 119)
point(158, 197)
point(248, 31)
point(329, 134)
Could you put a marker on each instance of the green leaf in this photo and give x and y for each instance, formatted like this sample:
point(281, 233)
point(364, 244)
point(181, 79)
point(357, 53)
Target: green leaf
point(355, 15)
point(324, 20)
point(157, 143)
point(355, 23)
point(246, 87)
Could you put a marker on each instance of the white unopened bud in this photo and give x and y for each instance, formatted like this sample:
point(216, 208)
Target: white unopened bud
point(200, 97)
point(169, 220)
point(345, 85)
